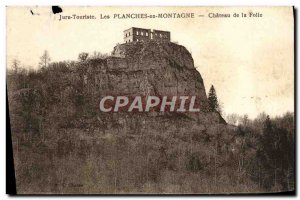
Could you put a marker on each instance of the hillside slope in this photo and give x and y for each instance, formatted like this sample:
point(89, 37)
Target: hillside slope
point(64, 144)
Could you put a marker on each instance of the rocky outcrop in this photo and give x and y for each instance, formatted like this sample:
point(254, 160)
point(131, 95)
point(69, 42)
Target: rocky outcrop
point(166, 68)
point(150, 68)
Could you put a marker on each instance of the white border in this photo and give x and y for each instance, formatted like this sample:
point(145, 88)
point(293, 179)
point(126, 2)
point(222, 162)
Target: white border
point(5, 3)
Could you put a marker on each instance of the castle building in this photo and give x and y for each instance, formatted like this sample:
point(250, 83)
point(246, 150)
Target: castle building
point(134, 34)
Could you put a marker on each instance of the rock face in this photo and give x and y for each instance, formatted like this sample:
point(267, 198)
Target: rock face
point(157, 69)
point(150, 68)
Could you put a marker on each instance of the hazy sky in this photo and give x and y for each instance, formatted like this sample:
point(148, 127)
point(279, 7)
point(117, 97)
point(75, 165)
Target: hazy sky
point(248, 60)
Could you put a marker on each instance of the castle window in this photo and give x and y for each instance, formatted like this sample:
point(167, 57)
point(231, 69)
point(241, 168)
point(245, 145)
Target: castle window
point(129, 33)
point(146, 34)
point(128, 40)
point(137, 33)
point(160, 35)
point(142, 33)
point(126, 35)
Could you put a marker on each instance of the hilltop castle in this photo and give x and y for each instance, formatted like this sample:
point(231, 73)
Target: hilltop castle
point(134, 34)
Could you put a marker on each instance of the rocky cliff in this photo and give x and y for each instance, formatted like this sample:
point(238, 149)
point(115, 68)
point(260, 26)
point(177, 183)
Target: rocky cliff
point(166, 68)
point(151, 68)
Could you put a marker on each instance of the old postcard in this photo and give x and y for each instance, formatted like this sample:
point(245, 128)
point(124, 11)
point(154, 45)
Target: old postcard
point(151, 100)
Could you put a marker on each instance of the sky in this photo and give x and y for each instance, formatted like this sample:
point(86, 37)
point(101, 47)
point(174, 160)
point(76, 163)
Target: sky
point(249, 60)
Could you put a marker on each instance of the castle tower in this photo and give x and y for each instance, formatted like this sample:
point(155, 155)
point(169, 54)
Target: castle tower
point(136, 34)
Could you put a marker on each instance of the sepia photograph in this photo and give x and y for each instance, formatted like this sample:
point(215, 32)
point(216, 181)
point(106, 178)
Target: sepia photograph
point(168, 100)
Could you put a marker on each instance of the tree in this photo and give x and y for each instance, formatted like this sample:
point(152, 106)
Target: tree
point(244, 120)
point(15, 65)
point(44, 60)
point(99, 55)
point(274, 156)
point(83, 56)
point(213, 100)
point(232, 118)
